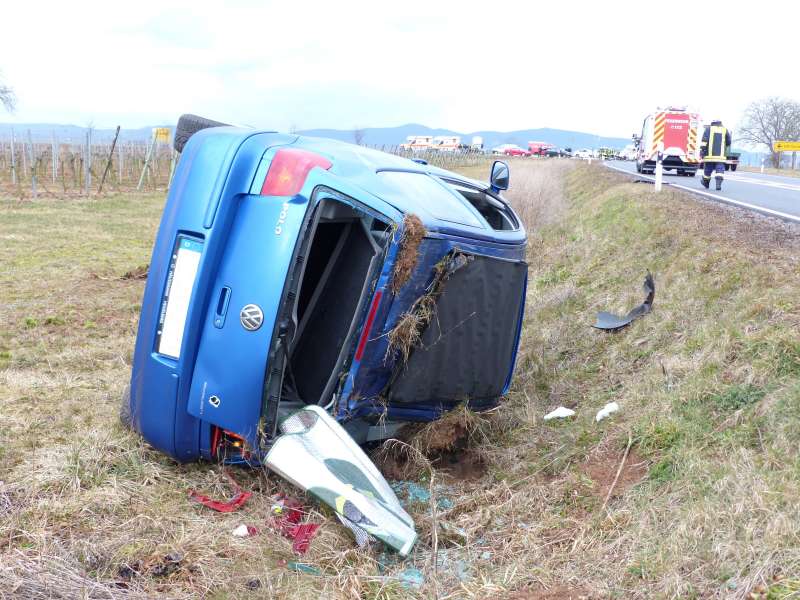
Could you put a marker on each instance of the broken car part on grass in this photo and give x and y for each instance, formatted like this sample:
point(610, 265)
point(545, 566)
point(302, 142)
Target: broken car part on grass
point(282, 275)
point(316, 454)
point(224, 506)
point(611, 322)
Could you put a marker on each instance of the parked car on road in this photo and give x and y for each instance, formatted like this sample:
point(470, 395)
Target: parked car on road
point(557, 153)
point(501, 149)
point(583, 153)
point(516, 151)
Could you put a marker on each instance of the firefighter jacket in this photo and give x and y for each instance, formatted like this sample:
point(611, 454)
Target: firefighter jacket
point(715, 143)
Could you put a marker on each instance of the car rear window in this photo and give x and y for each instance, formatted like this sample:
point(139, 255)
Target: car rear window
point(438, 199)
point(497, 215)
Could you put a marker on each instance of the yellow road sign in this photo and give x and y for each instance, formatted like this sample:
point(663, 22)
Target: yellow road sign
point(786, 146)
point(161, 134)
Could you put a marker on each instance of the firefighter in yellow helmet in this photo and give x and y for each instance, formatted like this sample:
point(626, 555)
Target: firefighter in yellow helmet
point(714, 151)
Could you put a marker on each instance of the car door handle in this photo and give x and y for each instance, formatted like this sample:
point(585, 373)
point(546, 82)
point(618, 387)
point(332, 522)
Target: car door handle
point(222, 307)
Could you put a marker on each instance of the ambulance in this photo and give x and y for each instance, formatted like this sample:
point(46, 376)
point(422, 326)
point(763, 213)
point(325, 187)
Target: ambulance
point(676, 132)
point(418, 143)
point(447, 143)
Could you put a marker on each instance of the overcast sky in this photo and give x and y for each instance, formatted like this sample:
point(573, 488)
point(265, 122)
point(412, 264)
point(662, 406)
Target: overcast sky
point(587, 66)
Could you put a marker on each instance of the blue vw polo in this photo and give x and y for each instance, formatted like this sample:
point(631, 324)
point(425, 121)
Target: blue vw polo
point(291, 270)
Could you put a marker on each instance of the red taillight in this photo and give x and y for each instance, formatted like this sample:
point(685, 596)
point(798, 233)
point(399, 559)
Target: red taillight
point(368, 325)
point(289, 169)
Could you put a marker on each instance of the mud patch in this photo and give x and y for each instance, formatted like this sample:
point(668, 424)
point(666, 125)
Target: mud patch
point(170, 565)
point(464, 465)
point(139, 272)
point(602, 469)
point(459, 463)
point(413, 232)
point(445, 444)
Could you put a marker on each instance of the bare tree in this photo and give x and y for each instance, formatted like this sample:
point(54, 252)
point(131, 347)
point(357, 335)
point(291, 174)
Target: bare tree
point(7, 97)
point(358, 135)
point(766, 121)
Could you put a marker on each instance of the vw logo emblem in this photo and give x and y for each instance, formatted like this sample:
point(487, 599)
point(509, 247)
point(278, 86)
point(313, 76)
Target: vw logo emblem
point(251, 317)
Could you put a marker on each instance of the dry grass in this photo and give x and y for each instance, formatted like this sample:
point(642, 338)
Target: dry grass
point(408, 254)
point(537, 192)
point(407, 334)
point(706, 503)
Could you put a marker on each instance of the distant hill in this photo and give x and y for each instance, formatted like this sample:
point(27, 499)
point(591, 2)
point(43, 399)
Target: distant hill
point(41, 132)
point(373, 136)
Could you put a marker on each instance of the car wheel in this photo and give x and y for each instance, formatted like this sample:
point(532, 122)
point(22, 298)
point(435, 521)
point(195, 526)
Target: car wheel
point(733, 167)
point(188, 125)
point(125, 408)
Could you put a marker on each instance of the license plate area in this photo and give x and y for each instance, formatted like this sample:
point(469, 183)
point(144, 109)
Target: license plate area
point(177, 297)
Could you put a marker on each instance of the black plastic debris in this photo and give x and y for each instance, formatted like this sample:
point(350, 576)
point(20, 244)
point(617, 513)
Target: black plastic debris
point(168, 565)
point(610, 322)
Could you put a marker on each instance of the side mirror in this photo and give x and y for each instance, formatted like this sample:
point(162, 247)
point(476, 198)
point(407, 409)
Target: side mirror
point(499, 177)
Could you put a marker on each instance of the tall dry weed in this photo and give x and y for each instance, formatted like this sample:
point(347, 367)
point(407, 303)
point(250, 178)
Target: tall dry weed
point(537, 191)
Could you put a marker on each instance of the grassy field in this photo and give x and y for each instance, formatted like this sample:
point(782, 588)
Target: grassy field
point(692, 490)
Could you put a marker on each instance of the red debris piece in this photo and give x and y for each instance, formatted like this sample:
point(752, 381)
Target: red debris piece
point(301, 536)
point(287, 513)
point(239, 498)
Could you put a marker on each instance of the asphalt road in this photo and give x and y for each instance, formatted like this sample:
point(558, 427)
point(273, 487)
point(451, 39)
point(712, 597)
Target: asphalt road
point(768, 194)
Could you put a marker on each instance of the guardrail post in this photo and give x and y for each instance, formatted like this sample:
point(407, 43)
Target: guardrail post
point(659, 166)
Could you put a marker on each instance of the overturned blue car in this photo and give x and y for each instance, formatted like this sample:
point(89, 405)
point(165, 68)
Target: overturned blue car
point(291, 272)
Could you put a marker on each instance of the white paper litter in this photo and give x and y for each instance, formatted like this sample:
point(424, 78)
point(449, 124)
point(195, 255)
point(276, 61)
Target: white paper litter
point(604, 412)
point(560, 413)
point(240, 531)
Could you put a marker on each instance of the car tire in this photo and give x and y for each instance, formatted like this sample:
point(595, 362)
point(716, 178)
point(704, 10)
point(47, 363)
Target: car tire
point(125, 408)
point(733, 167)
point(188, 125)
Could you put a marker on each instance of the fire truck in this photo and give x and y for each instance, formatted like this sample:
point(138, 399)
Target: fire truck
point(674, 131)
point(538, 148)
